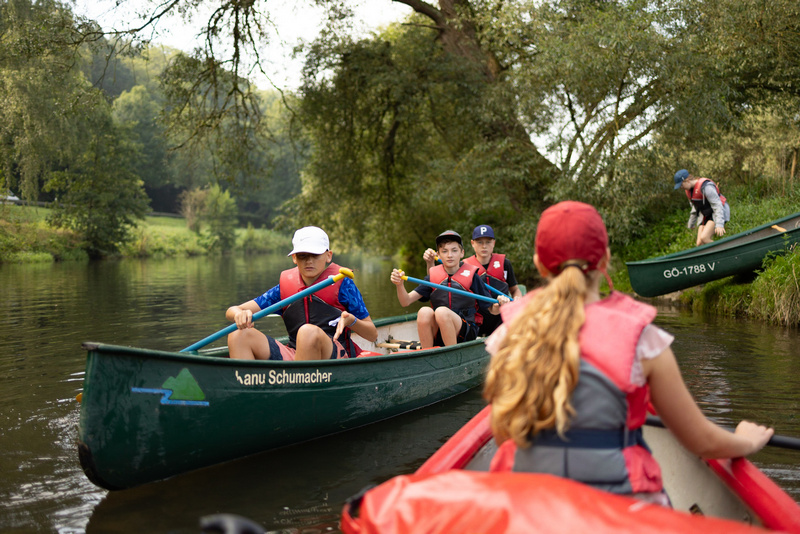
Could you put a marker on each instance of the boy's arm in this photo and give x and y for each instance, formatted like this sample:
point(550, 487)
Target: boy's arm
point(403, 296)
point(429, 256)
point(479, 288)
point(363, 327)
point(716, 204)
point(355, 315)
point(242, 314)
point(692, 218)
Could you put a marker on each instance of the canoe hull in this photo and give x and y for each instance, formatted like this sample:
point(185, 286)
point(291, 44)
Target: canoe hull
point(147, 415)
point(451, 492)
point(738, 254)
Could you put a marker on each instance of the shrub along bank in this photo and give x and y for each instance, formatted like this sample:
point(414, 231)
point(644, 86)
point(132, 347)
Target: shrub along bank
point(25, 237)
point(772, 295)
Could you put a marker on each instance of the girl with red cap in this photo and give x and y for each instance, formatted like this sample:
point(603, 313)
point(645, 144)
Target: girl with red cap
point(572, 373)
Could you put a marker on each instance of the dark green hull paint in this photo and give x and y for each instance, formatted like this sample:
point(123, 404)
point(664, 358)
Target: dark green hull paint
point(740, 253)
point(128, 437)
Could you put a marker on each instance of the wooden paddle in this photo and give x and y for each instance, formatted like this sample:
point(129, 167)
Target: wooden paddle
point(784, 442)
point(450, 289)
point(275, 307)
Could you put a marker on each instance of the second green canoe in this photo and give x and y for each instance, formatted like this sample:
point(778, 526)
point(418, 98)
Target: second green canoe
point(740, 253)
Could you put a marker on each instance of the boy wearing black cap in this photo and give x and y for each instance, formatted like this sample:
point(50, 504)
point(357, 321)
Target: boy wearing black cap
point(451, 317)
point(494, 269)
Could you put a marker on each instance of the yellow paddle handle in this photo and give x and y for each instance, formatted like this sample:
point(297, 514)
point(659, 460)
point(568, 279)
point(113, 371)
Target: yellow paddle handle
point(342, 273)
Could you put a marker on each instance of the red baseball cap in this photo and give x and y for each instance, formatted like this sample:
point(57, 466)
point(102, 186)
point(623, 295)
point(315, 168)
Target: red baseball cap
point(570, 230)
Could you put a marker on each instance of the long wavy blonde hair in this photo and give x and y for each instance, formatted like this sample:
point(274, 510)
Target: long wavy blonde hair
point(532, 376)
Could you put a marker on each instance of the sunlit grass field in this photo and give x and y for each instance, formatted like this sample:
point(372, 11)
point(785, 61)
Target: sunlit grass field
point(26, 236)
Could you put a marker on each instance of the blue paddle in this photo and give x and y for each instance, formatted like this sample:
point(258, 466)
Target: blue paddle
point(450, 289)
point(496, 291)
point(278, 305)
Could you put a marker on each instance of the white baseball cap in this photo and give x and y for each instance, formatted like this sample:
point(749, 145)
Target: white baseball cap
point(311, 240)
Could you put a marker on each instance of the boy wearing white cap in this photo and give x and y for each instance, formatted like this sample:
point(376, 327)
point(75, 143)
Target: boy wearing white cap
point(315, 322)
point(494, 269)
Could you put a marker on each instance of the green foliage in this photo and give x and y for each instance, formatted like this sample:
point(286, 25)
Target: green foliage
point(25, 237)
point(776, 291)
point(99, 195)
point(42, 92)
point(407, 141)
point(138, 110)
point(253, 241)
point(219, 215)
point(214, 209)
point(193, 203)
point(773, 296)
point(158, 241)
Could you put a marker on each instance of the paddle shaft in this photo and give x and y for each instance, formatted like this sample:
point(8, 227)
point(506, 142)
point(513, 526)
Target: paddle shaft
point(784, 442)
point(275, 307)
point(450, 289)
point(496, 291)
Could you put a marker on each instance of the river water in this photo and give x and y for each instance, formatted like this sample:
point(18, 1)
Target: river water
point(736, 369)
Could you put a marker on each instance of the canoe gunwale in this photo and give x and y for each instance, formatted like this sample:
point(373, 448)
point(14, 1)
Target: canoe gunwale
point(219, 355)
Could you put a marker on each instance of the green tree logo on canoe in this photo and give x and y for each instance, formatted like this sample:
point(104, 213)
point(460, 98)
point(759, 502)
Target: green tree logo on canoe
point(182, 390)
point(184, 387)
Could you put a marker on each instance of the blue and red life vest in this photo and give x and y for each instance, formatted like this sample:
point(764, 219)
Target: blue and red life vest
point(322, 308)
point(462, 279)
point(604, 446)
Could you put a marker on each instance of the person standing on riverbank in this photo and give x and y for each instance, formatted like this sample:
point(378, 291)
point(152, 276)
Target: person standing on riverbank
point(568, 398)
point(315, 322)
point(710, 210)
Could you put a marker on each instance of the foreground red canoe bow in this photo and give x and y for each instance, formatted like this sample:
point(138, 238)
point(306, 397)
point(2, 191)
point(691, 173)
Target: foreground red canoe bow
point(451, 492)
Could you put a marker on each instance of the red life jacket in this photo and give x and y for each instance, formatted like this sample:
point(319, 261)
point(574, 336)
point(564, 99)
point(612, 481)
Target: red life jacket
point(322, 308)
point(494, 274)
point(604, 447)
point(696, 195)
point(461, 304)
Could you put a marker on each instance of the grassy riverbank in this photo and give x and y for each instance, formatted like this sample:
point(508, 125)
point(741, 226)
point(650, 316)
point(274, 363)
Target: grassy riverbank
point(772, 296)
point(26, 237)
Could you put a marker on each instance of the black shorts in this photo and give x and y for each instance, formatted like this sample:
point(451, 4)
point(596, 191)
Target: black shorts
point(468, 332)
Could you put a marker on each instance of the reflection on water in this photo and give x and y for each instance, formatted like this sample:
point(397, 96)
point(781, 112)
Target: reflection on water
point(736, 370)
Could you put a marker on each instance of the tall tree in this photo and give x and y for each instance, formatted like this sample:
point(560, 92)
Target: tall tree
point(99, 194)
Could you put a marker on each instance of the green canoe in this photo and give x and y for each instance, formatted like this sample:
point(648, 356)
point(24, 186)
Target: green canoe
point(147, 415)
point(740, 253)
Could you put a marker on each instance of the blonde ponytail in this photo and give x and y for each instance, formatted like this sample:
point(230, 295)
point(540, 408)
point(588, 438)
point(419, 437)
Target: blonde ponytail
point(532, 376)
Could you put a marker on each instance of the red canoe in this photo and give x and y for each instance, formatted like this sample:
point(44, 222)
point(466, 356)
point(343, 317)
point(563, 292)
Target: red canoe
point(452, 492)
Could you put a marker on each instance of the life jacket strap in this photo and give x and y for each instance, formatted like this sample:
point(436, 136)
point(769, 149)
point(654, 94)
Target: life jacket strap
point(590, 438)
